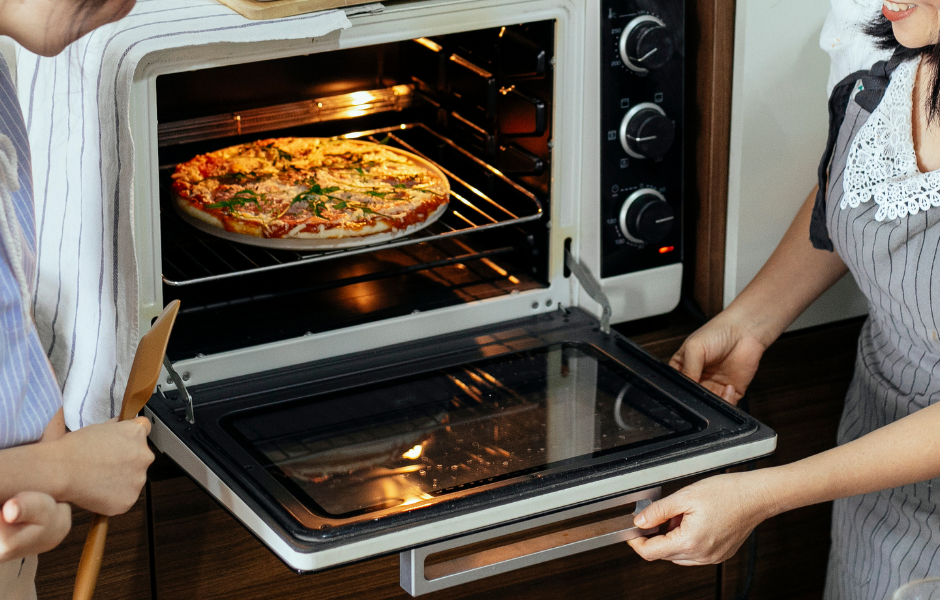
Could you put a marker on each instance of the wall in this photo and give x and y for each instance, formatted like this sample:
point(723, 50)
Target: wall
point(779, 121)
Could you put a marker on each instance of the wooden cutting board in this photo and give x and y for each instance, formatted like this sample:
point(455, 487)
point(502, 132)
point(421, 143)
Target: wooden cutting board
point(276, 9)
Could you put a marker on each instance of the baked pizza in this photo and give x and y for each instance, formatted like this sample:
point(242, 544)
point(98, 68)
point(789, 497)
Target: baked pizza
point(310, 189)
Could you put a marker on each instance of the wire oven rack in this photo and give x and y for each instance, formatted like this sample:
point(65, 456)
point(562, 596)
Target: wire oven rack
point(191, 257)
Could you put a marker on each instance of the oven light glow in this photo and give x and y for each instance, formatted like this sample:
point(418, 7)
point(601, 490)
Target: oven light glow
point(356, 112)
point(429, 44)
point(362, 97)
point(666, 249)
point(414, 453)
point(416, 499)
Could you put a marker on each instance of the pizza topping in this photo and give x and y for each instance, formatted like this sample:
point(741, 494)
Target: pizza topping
point(299, 186)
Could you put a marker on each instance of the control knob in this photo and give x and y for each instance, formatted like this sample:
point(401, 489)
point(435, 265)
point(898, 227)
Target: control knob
point(645, 44)
point(646, 217)
point(646, 131)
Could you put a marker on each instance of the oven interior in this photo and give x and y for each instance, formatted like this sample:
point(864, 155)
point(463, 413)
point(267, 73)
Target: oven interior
point(478, 104)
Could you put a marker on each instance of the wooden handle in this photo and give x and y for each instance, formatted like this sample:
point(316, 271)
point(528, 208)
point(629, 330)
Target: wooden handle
point(90, 564)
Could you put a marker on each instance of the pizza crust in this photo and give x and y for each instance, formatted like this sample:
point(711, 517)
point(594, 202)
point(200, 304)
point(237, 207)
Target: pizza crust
point(314, 244)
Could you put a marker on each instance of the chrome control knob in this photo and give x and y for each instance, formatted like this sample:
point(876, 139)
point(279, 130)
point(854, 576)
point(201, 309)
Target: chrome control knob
point(646, 131)
point(646, 44)
point(646, 217)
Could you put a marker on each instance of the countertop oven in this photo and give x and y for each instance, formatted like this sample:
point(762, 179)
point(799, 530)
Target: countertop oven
point(460, 384)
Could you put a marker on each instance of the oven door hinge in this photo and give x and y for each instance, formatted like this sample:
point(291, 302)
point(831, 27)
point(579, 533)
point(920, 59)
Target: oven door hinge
point(592, 287)
point(181, 388)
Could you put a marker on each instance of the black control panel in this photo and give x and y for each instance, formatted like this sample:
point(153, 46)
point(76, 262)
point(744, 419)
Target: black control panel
point(642, 97)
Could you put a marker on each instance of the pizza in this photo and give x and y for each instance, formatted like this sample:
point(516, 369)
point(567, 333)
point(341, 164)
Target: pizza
point(310, 188)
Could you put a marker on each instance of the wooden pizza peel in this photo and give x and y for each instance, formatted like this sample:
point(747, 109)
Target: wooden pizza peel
point(257, 10)
point(145, 372)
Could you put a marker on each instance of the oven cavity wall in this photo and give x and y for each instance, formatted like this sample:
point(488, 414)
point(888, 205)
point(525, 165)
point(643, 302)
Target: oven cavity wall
point(531, 170)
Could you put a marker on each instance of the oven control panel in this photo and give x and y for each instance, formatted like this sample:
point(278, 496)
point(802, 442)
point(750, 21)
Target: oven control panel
point(642, 77)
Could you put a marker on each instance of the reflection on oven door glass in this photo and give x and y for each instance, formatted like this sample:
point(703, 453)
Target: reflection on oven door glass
point(408, 441)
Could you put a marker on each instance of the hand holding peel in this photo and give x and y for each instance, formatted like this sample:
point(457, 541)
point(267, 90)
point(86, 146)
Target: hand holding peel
point(105, 465)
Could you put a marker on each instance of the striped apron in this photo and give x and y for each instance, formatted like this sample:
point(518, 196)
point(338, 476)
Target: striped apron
point(16, 579)
point(885, 539)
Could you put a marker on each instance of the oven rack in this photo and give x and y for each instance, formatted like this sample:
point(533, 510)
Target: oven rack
point(192, 257)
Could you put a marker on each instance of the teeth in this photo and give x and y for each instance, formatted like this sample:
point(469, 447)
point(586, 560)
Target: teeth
point(896, 7)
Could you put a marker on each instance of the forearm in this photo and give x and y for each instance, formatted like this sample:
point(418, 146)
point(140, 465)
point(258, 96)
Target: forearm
point(793, 278)
point(32, 467)
point(903, 452)
point(55, 429)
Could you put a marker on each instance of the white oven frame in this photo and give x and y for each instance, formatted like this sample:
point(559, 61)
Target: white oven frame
point(410, 537)
point(574, 207)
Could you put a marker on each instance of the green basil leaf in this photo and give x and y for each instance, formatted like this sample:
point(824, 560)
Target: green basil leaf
point(240, 199)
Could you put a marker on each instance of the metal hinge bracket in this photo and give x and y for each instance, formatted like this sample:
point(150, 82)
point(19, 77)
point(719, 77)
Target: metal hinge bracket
point(181, 388)
point(592, 287)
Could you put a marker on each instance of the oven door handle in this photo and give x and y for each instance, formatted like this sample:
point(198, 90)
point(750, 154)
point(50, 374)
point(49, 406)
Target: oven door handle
point(417, 579)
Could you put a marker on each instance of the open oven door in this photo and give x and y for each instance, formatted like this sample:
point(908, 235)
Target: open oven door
point(452, 440)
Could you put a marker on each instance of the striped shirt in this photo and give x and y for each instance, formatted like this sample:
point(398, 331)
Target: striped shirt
point(29, 395)
point(91, 295)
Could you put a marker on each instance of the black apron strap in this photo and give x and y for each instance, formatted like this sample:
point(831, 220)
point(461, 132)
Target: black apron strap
point(874, 83)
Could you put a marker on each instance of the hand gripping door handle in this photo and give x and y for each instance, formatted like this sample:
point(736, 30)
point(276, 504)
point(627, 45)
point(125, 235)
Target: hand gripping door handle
point(417, 579)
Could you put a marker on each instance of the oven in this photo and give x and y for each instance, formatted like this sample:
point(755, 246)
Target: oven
point(442, 394)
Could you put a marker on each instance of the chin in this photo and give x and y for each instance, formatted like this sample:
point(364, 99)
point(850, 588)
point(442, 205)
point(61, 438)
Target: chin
point(44, 49)
point(911, 41)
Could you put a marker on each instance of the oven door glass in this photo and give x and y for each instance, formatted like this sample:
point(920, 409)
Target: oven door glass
point(430, 435)
point(502, 422)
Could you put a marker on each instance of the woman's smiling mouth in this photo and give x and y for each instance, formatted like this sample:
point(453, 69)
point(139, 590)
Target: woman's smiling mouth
point(894, 11)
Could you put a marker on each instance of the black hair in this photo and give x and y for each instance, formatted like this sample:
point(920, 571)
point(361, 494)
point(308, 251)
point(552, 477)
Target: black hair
point(880, 29)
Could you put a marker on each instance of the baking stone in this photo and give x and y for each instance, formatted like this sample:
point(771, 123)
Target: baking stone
point(258, 10)
point(310, 244)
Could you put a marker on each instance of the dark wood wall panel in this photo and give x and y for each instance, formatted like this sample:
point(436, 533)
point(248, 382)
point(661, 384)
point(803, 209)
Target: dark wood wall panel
point(799, 392)
point(125, 569)
point(711, 43)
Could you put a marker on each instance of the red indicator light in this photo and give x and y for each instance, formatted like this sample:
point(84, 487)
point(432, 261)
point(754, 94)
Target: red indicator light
point(666, 249)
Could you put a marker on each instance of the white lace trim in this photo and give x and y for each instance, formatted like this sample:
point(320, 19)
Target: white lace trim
point(882, 164)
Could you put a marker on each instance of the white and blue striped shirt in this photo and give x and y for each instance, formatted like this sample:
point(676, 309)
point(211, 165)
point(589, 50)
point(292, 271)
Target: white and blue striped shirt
point(29, 395)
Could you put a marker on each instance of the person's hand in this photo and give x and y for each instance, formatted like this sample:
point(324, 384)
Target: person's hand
point(106, 465)
point(708, 520)
point(722, 356)
point(31, 523)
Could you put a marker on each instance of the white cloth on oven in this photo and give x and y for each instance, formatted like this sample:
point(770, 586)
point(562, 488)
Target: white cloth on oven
point(77, 112)
point(842, 36)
